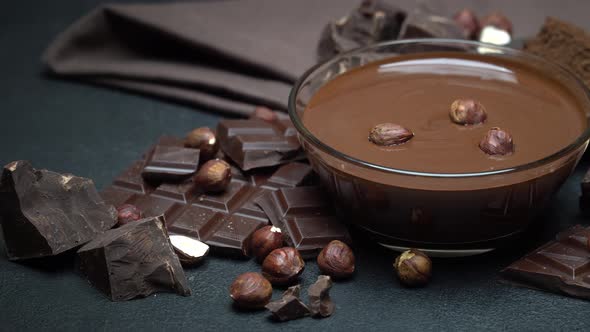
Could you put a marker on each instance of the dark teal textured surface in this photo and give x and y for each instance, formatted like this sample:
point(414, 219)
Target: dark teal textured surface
point(96, 133)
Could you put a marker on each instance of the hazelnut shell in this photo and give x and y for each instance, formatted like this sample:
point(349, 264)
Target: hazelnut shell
point(265, 240)
point(336, 260)
point(250, 291)
point(387, 134)
point(413, 268)
point(214, 176)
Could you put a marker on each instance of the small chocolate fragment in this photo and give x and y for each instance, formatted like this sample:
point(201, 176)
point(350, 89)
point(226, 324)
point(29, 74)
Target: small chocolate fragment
point(288, 308)
point(467, 20)
point(422, 25)
point(170, 163)
point(293, 291)
point(387, 134)
point(204, 140)
point(497, 142)
point(189, 251)
point(320, 303)
point(305, 216)
point(250, 290)
point(135, 260)
point(565, 44)
point(127, 213)
point(45, 213)
point(560, 266)
point(264, 113)
point(256, 143)
point(371, 22)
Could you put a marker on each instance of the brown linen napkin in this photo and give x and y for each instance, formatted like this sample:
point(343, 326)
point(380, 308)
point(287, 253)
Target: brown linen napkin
point(222, 55)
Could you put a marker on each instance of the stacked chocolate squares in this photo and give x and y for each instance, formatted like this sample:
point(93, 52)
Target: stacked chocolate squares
point(271, 182)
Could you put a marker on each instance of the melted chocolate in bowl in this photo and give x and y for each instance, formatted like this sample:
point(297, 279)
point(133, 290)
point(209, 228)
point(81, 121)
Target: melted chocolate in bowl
point(439, 191)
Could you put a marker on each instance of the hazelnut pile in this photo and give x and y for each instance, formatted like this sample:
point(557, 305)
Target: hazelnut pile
point(465, 112)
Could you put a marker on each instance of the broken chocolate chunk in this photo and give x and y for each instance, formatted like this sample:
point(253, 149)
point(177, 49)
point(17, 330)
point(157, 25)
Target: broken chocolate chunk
point(256, 143)
point(170, 163)
point(45, 213)
point(320, 303)
point(560, 266)
point(134, 260)
point(288, 308)
point(372, 21)
point(293, 291)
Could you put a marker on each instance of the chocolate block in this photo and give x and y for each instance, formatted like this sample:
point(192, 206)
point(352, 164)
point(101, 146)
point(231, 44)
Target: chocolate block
point(134, 260)
point(320, 302)
point(561, 266)
point(287, 308)
point(170, 163)
point(306, 216)
point(565, 44)
point(226, 220)
point(255, 143)
point(45, 213)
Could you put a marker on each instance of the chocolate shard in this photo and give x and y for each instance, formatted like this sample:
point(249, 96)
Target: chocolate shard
point(423, 25)
point(565, 44)
point(320, 303)
point(305, 216)
point(561, 266)
point(293, 291)
point(288, 308)
point(256, 143)
point(135, 260)
point(372, 21)
point(45, 213)
point(170, 163)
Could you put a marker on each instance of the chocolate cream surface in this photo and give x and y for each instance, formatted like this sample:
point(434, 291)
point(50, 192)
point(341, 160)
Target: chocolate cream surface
point(416, 91)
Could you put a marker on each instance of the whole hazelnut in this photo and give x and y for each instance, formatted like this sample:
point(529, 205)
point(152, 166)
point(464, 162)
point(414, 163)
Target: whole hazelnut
point(213, 176)
point(250, 291)
point(265, 240)
point(497, 142)
point(467, 112)
point(264, 113)
point(127, 213)
point(283, 266)
point(497, 20)
point(203, 139)
point(386, 134)
point(468, 22)
point(413, 268)
point(336, 260)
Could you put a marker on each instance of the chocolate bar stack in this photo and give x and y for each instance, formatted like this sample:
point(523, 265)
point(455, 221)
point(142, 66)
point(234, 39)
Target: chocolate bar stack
point(271, 183)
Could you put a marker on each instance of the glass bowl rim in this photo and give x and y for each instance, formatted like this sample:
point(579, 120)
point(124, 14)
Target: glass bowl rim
point(303, 131)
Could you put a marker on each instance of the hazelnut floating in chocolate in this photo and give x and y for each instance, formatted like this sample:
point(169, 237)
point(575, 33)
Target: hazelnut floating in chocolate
point(386, 134)
point(127, 213)
point(468, 22)
point(283, 266)
point(265, 240)
point(413, 268)
point(250, 291)
point(497, 142)
point(214, 176)
point(336, 260)
point(203, 139)
point(264, 113)
point(467, 112)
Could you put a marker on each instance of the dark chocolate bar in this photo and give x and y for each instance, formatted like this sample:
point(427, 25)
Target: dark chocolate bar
point(561, 266)
point(255, 143)
point(134, 260)
point(170, 163)
point(306, 216)
point(226, 220)
point(45, 213)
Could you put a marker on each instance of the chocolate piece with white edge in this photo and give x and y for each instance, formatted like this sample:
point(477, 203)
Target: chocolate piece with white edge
point(189, 251)
point(44, 213)
point(134, 260)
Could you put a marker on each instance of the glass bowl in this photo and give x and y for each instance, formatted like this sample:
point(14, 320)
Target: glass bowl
point(444, 214)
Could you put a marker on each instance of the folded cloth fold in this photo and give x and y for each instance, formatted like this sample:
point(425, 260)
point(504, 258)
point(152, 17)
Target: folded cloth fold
point(222, 55)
